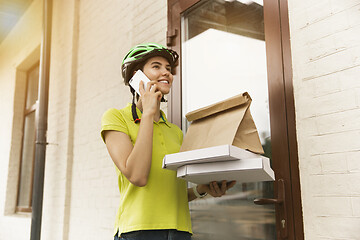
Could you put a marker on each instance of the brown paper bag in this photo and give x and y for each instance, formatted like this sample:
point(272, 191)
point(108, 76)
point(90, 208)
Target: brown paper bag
point(227, 122)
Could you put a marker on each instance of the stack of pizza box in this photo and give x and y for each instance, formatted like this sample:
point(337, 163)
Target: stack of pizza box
point(222, 143)
point(225, 162)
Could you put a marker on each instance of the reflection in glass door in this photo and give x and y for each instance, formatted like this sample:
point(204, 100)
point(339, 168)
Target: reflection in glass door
point(223, 55)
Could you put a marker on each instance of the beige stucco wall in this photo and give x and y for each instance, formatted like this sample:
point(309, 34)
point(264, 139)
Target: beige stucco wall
point(325, 45)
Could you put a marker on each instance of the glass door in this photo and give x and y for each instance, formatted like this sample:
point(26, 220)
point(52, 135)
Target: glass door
point(229, 47)
point(223, 55)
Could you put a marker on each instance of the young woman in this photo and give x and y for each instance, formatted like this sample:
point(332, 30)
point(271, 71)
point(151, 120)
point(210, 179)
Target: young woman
point(154, 202)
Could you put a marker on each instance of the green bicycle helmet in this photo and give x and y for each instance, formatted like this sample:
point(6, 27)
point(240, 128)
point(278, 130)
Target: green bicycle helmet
point(138, 55)
point(141, 53)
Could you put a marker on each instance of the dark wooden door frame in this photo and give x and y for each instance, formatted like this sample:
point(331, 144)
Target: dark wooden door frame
point(281, 100)
point(291, 121)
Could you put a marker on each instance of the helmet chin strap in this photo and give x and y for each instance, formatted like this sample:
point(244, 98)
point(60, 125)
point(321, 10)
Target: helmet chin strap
point(133, 107)
point(135, 116)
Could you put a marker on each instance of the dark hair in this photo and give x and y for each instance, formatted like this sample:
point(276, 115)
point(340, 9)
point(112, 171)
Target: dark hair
point(138, 66)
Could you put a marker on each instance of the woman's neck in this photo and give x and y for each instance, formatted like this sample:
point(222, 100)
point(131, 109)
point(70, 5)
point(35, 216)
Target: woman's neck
point(156, 115)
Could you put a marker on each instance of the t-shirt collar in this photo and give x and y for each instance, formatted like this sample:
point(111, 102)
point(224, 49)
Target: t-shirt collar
point(162, 115)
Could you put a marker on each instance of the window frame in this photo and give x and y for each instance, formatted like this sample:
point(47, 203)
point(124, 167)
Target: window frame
point(26, 112)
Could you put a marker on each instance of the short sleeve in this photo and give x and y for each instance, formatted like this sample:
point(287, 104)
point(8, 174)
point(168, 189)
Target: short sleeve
point(179, 133)
point(113, 120)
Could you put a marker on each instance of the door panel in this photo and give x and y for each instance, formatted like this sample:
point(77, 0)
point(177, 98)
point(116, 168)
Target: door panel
point(221, 45)
point(223, 54)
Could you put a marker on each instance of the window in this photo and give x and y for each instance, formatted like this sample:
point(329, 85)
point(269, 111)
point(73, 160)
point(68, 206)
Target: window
point(223, 54)
point(27, 156)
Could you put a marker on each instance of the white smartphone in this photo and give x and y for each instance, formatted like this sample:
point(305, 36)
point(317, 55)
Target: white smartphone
point(136, 79)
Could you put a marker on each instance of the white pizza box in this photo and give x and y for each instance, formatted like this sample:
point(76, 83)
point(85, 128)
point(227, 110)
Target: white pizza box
point(206, 155)
point(245, 170)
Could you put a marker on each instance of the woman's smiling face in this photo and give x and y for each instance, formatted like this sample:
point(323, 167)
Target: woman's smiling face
point(158, 69)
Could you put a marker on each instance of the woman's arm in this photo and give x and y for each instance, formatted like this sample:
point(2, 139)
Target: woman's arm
point(191, 194)
point(133, 161)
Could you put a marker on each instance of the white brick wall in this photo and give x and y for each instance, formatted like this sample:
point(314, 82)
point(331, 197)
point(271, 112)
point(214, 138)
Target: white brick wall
point(59, 155)
point(85, 204)
point(89, 40)
point(104, 38)
point(325, 47)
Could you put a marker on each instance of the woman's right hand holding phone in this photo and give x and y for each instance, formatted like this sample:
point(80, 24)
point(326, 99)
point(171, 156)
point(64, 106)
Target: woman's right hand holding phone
point(150, 97)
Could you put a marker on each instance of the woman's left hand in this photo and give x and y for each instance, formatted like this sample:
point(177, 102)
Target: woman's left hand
point(214, 189)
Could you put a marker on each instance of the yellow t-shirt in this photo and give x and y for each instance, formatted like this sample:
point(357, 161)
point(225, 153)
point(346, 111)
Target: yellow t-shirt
point(163, 202)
